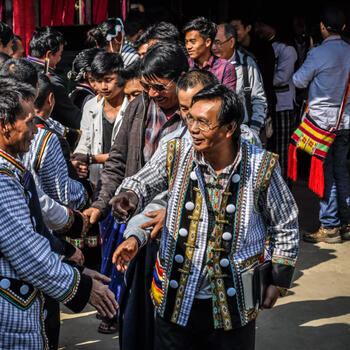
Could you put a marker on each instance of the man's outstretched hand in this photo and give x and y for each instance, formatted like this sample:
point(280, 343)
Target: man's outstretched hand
point(124, 253)
point(123, 204)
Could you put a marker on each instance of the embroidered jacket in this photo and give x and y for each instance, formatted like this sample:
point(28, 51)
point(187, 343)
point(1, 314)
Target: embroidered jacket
point(48, 166)
point(227, 241)
point(28, 266)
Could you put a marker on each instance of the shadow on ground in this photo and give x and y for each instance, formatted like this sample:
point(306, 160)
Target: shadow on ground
point(285, 325)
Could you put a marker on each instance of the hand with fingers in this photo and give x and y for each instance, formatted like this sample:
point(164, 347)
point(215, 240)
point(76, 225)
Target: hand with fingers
point(272, 294)
point(78, 257)
point(157, 222)
point(124, 253)
point(93, 214)
point(96, 275)
point(103, 299)
point(123, 204)
point(81, 168)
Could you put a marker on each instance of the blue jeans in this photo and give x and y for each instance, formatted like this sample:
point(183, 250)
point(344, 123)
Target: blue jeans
point(335, 205)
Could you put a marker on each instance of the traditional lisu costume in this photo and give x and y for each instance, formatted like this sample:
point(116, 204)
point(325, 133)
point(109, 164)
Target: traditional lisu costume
point(30, 263)
point(216, 228)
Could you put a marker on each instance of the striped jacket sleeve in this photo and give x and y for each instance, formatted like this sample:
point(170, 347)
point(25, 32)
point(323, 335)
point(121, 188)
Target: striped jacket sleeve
point(53, 172)
point(29, 253)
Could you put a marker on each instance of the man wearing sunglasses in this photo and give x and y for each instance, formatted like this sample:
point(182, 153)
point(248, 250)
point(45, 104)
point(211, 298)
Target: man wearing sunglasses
point(224, 198)
point(150, 116)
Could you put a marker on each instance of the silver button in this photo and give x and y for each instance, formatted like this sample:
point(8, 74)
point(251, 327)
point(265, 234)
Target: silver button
point(230, 208)
point(173, 284)
point(5, 283)
point(29, 194)
point(34, 221)
point(24, 289)
point(45, 313)
point(231, 292)
point(224, 262)
point(193, 176)
point(227, 236)
point(189, 205)
point(179, 259)
point(236, 178)
point(183, 232)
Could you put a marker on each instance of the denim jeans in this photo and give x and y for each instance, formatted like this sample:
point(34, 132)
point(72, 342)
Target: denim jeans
point(335, 205)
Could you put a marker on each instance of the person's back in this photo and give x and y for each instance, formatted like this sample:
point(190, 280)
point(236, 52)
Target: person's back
point(329, 64)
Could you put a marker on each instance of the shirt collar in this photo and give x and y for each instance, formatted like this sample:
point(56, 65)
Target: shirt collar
point(331, 38)
point(11, 163)
point(201, 161)
point(235, 59)
point(210, 62)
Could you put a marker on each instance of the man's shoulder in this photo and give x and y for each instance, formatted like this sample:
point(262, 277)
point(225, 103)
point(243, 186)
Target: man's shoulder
point(137, 107)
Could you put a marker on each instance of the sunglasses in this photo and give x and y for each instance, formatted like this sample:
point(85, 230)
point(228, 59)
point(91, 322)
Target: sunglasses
point(157, 87)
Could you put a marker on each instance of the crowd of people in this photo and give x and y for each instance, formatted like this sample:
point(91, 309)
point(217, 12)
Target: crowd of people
point(156, 187)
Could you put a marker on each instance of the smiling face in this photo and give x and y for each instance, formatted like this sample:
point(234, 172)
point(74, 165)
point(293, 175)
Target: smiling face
point(19, 135)
point(211, 141)
point(107, 86)
point(196, 46)
point(165, 99)
point(185, 99)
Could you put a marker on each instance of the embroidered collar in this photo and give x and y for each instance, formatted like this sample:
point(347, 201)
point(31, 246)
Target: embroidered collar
point(11, 163)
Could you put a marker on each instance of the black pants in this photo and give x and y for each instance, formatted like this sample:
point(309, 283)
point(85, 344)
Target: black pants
point(52, 321)
point(199, 333)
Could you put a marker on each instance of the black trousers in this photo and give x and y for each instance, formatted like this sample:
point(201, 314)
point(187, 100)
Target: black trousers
point(52, 321)
point(199, 333)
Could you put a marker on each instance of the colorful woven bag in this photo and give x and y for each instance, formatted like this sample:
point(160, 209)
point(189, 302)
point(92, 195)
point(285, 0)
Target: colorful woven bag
point(315, 141)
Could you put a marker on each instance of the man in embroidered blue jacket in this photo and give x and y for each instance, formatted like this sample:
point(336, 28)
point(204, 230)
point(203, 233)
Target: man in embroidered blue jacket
point(29, 264)
point(226, 197)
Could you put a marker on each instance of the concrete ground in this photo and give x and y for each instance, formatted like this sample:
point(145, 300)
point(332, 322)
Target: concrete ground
point(315, 315)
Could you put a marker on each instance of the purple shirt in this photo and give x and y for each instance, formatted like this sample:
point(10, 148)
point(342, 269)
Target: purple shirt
point(222, 69)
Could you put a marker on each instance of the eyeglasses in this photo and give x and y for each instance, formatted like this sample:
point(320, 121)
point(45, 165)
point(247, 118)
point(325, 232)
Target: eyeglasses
point(202, 125)
point(157, 87)
point(219, 43)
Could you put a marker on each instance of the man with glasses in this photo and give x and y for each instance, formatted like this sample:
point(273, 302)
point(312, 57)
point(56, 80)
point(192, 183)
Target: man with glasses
point(199, 37)
point(249, 83)
point(224, 198)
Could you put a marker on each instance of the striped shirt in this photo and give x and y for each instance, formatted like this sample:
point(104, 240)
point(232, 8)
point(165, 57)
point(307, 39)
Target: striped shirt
point(222, 69)
point(129, 54)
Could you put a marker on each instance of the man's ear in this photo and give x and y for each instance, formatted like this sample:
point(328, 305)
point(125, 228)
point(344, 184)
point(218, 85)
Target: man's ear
point(231, 128)
point(232, 42)
point(208, 42)
point(48, 54)
point(51, 99)
point(249, 27)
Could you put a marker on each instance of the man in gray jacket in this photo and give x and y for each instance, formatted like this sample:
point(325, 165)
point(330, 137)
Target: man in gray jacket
point(249, 85)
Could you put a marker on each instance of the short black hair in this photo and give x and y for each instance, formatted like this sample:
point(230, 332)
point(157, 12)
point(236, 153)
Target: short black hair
point(3, 58)
point(206, 28)
point(333, 18)
point(44, 90)
point(82, 64)
point(143, 38)
point(97, 36)
point(245, 19)
point(194, 77)
point(21, 69)
point(11, 93)
point(164, 31)
point(45, 39)
point(132, 71)
point(229, 30)
point(108, 63)
point(231, 110)
point(164, 60)
point(6, 34)
point(134, 22)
